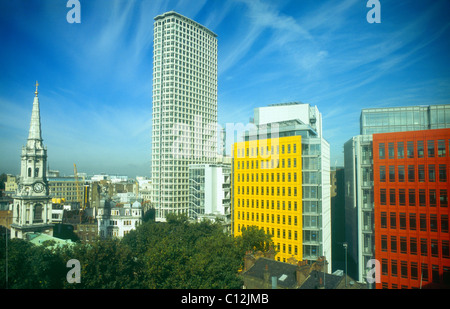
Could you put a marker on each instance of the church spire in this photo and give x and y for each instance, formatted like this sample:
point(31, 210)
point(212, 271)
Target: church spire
point(34, 134)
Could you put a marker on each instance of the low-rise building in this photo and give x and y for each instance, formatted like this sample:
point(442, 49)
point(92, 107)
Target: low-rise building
point(116, 219)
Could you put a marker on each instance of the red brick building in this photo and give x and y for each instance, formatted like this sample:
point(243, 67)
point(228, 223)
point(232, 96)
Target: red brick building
point(411, 208)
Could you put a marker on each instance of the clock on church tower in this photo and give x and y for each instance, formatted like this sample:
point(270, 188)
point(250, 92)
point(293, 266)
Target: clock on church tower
point(32, 207)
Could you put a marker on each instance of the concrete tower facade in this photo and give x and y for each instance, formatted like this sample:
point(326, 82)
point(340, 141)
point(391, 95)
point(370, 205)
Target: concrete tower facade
point(184, 112)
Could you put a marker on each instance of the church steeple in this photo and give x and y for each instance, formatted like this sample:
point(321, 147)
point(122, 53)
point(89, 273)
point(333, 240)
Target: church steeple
point(32, 207)
point(35, 135)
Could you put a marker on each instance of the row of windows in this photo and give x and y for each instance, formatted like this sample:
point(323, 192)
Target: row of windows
point(273, 163)
point(280, 191)
point(268, 218)
point(425, 173)
point(254, 177)
point(426, 247)
point(253, 152)
point(421, 197)
point(280, 205)
point(411, 270)
point(427, 223)
point(430, 148)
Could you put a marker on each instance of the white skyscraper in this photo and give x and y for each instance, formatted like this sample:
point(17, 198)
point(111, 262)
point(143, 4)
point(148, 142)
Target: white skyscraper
point(184, 114)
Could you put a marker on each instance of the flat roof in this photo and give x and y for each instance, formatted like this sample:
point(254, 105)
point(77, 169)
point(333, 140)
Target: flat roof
point(173, 13)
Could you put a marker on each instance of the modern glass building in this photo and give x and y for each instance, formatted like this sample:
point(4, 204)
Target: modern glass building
point(411, 212)
point(359, 172)
point(281, 181)
point(408, 118)
point(184, 112)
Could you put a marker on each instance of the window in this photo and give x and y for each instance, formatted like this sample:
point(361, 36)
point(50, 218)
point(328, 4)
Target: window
point(401, 150)
point(401, 197)
point(404, 269)
point(391, 173)
point(414, 271)
point(394, 244)
point(423, 247)
point(423, 222)
point(402, 221)
point(442, 173)
point(401, 173)
point(410, 149)
point(393, 220)
point(444, 223)
point(384, 245)
point(394, 268)
point(433, 223)
point(413, 246)
point(412, 222)
point(392, 197)
point(381, 151)
point(431, 173)
point(384, 266)
point(430, 145)
point(382, 174)
point(432, 197)
point(443, 198)
point(420, 150)
point(441, 148)
point(421, 173)
point(391, 151)
point(412, 197)
point(424, 272)
point(445, 249)
point(422, 197)
point(403, 245)
point(383, 220)
point(434, 248)
point(383, 196)
point(411, 172)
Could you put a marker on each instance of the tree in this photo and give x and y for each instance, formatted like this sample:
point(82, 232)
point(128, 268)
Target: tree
point(180, 255)
point(255, 239)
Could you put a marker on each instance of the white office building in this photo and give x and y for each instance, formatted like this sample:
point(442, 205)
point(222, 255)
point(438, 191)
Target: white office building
point(210, 192)
point(184, 112)
point(291, 119)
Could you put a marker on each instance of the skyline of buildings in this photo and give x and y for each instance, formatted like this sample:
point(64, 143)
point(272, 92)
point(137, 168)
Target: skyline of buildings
point(297, 215)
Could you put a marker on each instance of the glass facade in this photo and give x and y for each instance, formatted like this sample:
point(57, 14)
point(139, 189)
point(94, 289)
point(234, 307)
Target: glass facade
point(400, 119)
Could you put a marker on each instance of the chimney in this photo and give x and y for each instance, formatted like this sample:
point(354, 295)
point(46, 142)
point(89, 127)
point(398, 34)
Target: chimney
point(302, 272)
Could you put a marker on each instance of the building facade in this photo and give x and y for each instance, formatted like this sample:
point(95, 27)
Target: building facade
point(411, 187)
point(32, 207)
point(210, 192)
point(359, 173)
point(296, 158)
point(267, 192)
point(116, 219)
point(184, 112)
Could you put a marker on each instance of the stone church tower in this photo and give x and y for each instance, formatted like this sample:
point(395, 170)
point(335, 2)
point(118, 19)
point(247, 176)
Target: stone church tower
point(32, 207)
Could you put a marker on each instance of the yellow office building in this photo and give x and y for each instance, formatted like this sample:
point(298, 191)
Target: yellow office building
point(267, 191)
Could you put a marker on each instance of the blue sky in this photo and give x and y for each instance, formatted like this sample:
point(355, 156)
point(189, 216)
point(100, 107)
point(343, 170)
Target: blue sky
point(96, 76)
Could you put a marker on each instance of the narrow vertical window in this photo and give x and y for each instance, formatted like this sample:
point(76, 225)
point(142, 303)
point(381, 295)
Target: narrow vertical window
point(441, 148)
point(391, 151)
point(430, 145)
point(420, 149)
point(400, 150)
point(410, 149)
point(381, 151)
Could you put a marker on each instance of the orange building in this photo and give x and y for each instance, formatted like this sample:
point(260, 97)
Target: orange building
point(411, 187)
